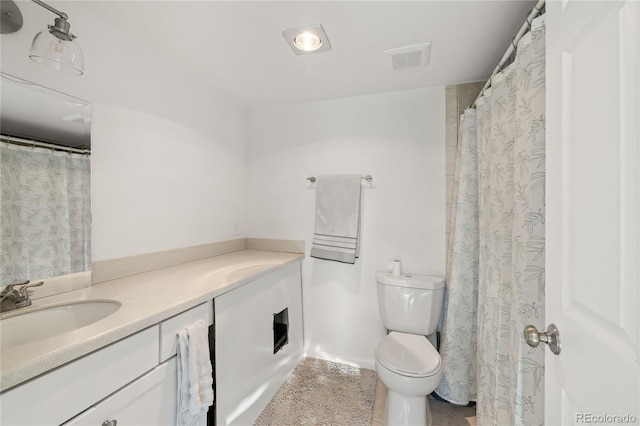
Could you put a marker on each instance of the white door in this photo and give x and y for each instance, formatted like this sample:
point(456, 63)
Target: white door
point(593, 215)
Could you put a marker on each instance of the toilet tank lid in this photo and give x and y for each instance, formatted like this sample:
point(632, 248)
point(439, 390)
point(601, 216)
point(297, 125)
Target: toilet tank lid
point(424, 282)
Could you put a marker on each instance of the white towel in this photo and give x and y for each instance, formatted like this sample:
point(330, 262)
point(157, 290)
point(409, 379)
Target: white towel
point(195, 382)
point(337, 228)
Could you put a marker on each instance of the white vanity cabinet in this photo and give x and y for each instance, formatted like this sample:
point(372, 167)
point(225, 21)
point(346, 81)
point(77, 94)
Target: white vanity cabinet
point(133, 381)
point(130, 382)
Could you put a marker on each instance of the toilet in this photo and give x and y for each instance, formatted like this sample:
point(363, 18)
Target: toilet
point(405, 360)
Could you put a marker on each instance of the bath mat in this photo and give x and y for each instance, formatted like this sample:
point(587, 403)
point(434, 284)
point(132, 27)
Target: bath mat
point(322, 392)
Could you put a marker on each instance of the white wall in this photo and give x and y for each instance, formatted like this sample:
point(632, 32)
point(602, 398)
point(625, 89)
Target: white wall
point(396, 137)
point(168, 160)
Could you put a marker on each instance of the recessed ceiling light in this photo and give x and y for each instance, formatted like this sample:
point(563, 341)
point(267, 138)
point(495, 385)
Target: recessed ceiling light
point(309, 39)
point(307, 42)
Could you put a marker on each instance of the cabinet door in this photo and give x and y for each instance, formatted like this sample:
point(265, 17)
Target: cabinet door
point(248, 372)
point(149, 400)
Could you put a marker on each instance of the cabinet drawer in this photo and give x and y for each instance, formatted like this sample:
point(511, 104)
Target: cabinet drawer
point(150, 400)
point(64, 392)
point(170, 328)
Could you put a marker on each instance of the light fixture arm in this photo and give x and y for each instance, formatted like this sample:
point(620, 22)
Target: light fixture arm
point(51, 9)
point(60, 28)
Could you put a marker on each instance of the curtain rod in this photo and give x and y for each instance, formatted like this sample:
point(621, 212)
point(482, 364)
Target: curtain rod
point(37, 144)
point(368, 178)
point(526, 27)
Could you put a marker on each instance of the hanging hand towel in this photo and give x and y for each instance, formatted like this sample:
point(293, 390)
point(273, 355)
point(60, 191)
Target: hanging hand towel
point(195, 382)
point(337, 228)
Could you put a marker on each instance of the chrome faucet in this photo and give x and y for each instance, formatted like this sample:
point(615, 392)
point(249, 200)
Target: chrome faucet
point(13, 298)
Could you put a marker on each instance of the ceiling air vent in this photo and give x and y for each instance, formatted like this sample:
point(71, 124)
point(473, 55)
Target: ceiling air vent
point(416, 55)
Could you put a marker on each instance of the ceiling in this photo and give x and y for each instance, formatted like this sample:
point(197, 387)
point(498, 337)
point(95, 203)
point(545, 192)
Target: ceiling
point(239, 47)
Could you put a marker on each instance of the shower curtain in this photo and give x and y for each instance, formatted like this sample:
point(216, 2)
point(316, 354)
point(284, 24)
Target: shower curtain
point(509, 125)
point(458, 330)
point(45, 207)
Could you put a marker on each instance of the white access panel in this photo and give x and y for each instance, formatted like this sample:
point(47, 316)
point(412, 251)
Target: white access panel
point(247, 371)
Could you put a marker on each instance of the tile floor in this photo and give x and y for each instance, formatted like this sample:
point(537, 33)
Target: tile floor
point(442, 414)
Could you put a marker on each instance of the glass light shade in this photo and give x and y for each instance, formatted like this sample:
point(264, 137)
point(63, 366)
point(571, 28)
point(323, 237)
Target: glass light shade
point(61, 55)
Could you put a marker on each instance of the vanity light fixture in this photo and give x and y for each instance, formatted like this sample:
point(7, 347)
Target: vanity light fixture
point(309, 39)
point(56, 47)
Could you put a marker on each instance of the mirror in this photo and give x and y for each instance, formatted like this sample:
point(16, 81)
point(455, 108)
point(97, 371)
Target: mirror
point(45, 182)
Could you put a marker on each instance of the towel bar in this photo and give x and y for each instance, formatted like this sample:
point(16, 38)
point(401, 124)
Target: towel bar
point(368, 178)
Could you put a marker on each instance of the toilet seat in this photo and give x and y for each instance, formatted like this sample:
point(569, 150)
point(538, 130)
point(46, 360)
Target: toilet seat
point(410, 355)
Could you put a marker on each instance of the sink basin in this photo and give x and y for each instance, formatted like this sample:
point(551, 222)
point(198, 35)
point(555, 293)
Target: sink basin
point(52, 321)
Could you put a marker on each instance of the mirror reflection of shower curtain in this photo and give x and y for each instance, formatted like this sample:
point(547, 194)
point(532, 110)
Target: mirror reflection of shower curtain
point(45, 213)
point(507, 377)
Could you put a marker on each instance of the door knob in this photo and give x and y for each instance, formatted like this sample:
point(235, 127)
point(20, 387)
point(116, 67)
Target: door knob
point(551, 337)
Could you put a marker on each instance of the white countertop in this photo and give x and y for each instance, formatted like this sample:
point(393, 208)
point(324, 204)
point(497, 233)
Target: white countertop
point(146, 300)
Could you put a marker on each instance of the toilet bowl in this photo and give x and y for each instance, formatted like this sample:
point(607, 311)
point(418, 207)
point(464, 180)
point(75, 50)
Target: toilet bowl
point(405, 360)
point(410, 368)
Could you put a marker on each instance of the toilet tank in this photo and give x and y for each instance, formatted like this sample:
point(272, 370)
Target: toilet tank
point(410, 303)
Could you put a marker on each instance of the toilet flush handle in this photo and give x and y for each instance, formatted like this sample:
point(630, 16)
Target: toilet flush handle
point(551, 337)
